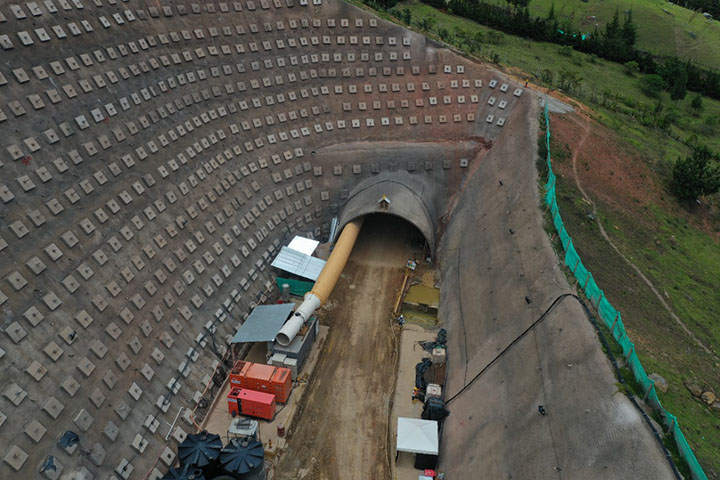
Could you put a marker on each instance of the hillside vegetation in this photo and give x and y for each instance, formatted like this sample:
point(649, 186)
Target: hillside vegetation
point(663, 27)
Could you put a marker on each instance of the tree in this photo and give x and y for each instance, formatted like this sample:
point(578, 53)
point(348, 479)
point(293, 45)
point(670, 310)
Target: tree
point(426, 24)
point(697, 102)
point(496, 38)
point(612, 29)
point(444, 34)
point(674, 72)
point(386, 4)
point(406, 16)
point(519, 4)
point(551, 13)
point(695, 176)
point(652, 85)
point(629, 30)
point(439, 4)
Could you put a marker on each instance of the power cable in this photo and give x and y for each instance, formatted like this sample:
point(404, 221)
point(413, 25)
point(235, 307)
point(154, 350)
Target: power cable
point(511, 344)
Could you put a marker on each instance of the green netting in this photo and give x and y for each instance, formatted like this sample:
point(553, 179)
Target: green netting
point(297, 287)
point(612, 319)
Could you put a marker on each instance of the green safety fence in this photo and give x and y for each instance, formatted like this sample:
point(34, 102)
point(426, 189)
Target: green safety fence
point(297, 287)
point(612, 319)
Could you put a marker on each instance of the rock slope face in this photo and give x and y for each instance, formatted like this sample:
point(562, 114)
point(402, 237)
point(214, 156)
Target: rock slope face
point(154, 157)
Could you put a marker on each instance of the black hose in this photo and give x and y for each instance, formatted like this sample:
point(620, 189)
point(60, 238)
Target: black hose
point(511, 344)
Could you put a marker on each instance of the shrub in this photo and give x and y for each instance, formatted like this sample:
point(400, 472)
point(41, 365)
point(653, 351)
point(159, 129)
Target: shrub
point(566, 50)
point(697, 102)
point(631, 68)
point(695, 176)
point(439, 4)
point(652, 85)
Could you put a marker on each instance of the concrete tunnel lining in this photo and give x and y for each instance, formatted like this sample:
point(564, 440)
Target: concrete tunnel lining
point(404, 202)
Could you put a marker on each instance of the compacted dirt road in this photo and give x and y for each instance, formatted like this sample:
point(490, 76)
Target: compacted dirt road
point(341, 428)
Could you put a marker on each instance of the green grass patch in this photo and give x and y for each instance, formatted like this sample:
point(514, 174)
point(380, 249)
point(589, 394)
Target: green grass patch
point(663, 28)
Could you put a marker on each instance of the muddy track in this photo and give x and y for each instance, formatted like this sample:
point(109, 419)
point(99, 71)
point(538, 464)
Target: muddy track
point(341, 428)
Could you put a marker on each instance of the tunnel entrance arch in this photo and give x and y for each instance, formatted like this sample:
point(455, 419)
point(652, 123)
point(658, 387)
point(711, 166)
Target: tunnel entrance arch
point(400, 195)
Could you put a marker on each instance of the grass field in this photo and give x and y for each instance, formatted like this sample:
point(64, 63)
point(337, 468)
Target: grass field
point(658, 32)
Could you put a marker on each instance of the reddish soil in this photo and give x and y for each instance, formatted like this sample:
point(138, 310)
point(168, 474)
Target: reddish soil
point(614, 172)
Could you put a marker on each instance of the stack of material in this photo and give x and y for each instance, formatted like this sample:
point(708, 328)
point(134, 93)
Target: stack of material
point(277, 360)
point(292, 365)
point(436, 373)
point(299, 348)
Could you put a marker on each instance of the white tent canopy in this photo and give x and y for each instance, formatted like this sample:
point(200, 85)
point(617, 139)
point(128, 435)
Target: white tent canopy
point(417, 436)
point(303, 245)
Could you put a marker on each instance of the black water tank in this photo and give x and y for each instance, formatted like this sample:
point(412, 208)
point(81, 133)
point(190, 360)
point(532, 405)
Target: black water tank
point(184, 472)
point(201, 450)
point(243, 460)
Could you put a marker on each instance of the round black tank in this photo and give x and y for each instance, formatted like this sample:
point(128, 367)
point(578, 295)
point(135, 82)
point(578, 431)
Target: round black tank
point(184, 472)
point(243, 460)
point(201, 450)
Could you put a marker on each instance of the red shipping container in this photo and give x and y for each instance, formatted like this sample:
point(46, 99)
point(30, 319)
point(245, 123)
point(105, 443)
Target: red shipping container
point(256, 404)
point(262, 378)
point(232, 398)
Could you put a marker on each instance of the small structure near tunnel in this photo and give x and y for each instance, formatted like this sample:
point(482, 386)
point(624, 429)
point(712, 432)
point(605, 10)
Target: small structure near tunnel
point(419, 437)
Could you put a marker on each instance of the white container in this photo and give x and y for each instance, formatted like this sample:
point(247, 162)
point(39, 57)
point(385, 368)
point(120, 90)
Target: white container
point(433, 391)
point(438, 355)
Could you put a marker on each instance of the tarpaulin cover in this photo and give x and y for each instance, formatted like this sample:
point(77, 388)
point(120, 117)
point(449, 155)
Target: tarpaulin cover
point(263, 324)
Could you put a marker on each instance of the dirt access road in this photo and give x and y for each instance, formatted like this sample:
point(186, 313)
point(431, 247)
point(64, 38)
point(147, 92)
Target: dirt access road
point(341, 429)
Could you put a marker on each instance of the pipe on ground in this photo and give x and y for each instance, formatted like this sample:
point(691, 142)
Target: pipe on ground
point(324, 284)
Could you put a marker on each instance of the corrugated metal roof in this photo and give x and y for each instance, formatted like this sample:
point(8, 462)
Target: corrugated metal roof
point(303, 245)
point(264, 322)
point(298, 263)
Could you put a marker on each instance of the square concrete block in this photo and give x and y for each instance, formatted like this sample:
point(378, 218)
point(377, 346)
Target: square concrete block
point(15, 332)
point(111, 431)
point(36, 265)
point(83, 420)
point(98, 454)
point(122, 409)
point(15, 394)
point(70, 385)
point(16, 457)
point(35, 431)
point(53, 407)
point(53, 351)
point(36, 370)
point(110, 379)
point(97, 398)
